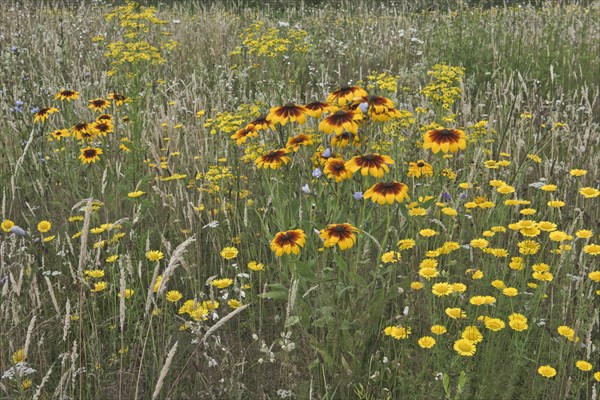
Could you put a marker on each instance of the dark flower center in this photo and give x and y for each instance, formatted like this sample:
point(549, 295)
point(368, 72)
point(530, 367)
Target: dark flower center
point(420, 164)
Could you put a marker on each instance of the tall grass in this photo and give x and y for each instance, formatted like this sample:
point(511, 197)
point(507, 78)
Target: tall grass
point(307, 326)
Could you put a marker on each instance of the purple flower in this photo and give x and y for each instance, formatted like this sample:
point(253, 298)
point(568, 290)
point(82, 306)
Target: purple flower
point(364, 107)
point(326, 153)
point(306, 189)
point(446, 196)
point(317, 173)
point(358, 195)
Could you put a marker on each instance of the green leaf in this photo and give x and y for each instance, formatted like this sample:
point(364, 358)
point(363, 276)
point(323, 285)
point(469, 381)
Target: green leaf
point(306, 270)
point(278, 291)
point(291, 321)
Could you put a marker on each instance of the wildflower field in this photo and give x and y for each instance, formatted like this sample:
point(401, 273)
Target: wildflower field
point(305, 200)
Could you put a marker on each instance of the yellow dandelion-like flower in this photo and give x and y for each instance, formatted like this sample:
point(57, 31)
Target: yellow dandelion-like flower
point(583, 365)
point(154, 255)
point(173, 296)
point(547, 371)
point(99, 286)
point(465, 347)
point(426, 342)
point(229, 253)
point(397, 332)
point(222, 283)
point(6, 225)
point(589, 192)
point(44, 226)
point(438, 329)
point(135, 194)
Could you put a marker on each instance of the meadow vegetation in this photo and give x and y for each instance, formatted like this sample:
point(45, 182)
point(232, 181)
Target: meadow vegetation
point(331, 200)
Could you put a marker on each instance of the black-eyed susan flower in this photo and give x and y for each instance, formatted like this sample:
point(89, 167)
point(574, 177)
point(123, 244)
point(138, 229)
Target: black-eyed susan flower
point(102, 127)
point(387, 192)
point(288, 242)
point(104, 117)
point(261, 123)
point(346, 94)
point(302, 139)
point(465, 347)
point(119, 99)
point(273, 159)
point(547, 371)
point(82, 131)
point(243, 134)
point(287, 113)
point(98, 105)
point(446, 140)
point(154, 255)
point(339, 121)
point(317, 108)
point(373, 164)
point(90, 155)
point(68, 95)
point(43, 113)
point(335, 168)
point(594, 276)
point(344, 235)
point(58, 134)
point(375, 104)
point(344, 139)
point(419, 169)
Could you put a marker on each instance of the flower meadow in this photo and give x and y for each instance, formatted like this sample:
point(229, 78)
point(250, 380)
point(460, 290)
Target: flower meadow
point(318, 201)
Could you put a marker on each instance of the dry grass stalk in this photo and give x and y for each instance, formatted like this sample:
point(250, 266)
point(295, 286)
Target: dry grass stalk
point(164, 371)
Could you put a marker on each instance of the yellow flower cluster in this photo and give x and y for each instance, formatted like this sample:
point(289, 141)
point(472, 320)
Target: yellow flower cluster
point(262, 41)
point(444, 88)
point(135, 20)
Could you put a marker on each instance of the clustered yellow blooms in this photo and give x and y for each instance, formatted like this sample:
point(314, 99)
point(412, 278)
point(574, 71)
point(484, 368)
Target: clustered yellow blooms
point(262, 41)
point(444, 89)
point(136, 21)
